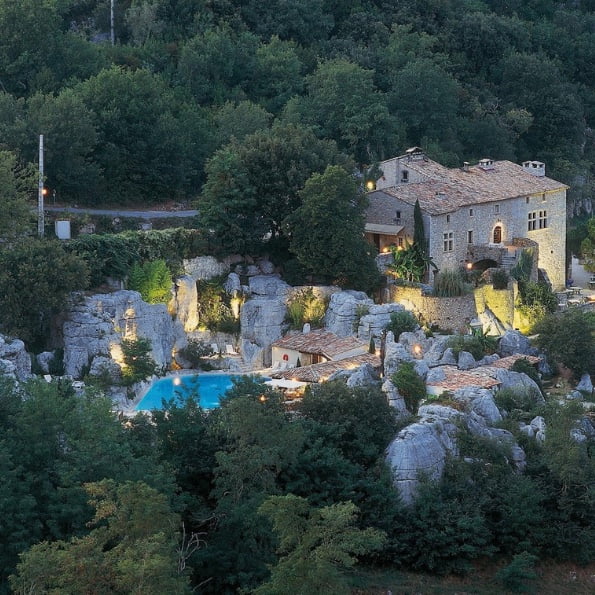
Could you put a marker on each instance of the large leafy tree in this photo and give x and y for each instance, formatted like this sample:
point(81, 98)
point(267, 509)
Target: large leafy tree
point(36, 277)
point(16, 184)
point(252, 186)
point(132, 548)
point(317, 546)
point(327, 230)
point(150, 141)
point(343, 103)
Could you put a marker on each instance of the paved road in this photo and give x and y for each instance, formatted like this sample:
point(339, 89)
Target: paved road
point(122, 213)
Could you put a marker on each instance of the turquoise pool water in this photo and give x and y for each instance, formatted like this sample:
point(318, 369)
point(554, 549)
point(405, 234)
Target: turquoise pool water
point(210, 388)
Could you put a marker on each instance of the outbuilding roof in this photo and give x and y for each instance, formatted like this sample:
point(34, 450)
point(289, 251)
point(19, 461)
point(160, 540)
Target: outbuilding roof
point(320, 342)
point(320, 372)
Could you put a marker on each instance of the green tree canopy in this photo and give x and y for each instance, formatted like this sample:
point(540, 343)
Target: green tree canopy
point(327, 230)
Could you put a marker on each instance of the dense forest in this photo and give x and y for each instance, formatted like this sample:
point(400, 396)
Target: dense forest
point(189, 82)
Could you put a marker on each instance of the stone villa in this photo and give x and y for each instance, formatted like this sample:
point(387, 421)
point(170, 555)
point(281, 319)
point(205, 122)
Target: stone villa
point(474, 216)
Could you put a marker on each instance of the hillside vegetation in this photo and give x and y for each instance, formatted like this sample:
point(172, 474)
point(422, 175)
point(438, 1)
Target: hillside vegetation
point(137, 122)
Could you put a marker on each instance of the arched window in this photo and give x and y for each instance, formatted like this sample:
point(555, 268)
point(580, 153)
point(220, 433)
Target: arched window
point(497, 234)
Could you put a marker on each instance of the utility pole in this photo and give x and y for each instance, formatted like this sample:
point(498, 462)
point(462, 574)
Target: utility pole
point(40, 213)
point(111, 21)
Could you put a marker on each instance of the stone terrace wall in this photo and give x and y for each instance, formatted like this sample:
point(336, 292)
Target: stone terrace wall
point(452, 314)
point(499, 301)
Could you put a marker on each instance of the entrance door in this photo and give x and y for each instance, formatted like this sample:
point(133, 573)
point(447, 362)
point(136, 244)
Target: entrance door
point(497, 234)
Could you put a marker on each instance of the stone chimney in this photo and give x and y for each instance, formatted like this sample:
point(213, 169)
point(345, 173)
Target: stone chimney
point(535, 168)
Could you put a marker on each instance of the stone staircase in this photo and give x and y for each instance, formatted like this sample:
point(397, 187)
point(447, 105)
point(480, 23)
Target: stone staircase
point(508, 262)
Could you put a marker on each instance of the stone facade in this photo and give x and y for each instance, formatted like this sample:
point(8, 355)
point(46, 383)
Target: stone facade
point(493, 205)
point(453, 314)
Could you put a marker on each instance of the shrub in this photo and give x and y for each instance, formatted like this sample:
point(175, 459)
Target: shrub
point(410, 385)
point(500, 279)
point(152, 280)
point(522, 269)
point(514, 577)
point(475, 344)
point(305, 306)
point(511, 399)
point(450, 283)
point(195, 351)
point(402, 322)
point(138, 364)
point(567, 338)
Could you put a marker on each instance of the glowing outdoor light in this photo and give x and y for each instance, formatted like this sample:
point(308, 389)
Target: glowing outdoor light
point(262, 398)
point(417, 349)
point(177, 381)
point(370, 185)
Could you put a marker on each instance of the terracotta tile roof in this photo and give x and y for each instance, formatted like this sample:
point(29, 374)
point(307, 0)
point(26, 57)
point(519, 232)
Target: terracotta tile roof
point(320, 342)
point(320, 372)
point(447, 190)
point(455, 378)
point(509, 361)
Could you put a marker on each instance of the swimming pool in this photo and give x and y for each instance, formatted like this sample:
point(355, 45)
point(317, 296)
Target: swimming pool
point(209, 387)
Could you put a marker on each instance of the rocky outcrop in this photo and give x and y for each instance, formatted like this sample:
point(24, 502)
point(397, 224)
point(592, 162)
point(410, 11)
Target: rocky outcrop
point(376, 320)
point(420, 449)
point(204, 267)
point(515, 342)
point(14, 360)
point(95, 326)
point(345, 310)
point(184, 302)
point(262, 321)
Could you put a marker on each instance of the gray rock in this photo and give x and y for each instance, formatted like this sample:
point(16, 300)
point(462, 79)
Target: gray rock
point(364, 375)
point(266, 267)
point(394, 354)
point(252, 270)
point(204, 267)
point(515, 342)
point(538, 424)
point(575, 395)
point(376, 320)
point(13, 351)
point(96, 325)
point(395, 400)
point(466, 361)
point(518, 381)
point(262, 322)
point(480, 401)
point(43, 360)
point(344, 311)
point(419, 450)
point(448, 358)
point(184, 302)
point(435, 350)
point(421, 368)
point(104, 365)
point(435, 375)
point(232, 284)
point(585, 385)
point(268, 286)
point(487, 360)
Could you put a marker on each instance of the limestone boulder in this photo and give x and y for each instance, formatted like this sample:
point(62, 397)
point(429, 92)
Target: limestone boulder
point(395, 399)
point(517, 381)
point(345, 310)
point(262, 321)
point(95, 325)
point(204, 267)
point(419, 450)
point(364, 375)
point(184, 302)
point(271, 286)
point(106, 367)
point(585, 385)
point(515, 342)
point(466, 361)
point(376, 320)
point(480, 401)
point(44, 360)
point(448, 358)
point(232, 284)
point(13, 351)
point(394, 355)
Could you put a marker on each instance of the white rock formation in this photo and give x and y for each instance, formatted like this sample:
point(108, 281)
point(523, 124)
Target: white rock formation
point(15, 361)
point(344, 311)
point(95, 325)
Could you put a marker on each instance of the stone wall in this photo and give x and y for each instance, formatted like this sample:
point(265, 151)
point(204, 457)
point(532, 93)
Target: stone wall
point(499, 301)
point(453, 314)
